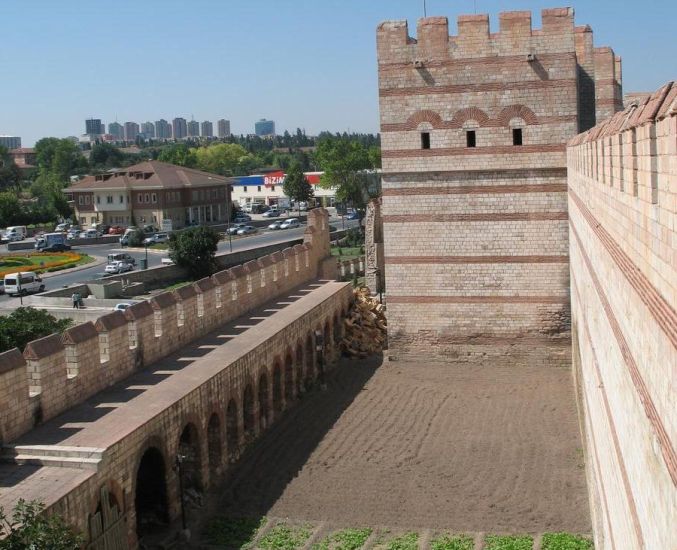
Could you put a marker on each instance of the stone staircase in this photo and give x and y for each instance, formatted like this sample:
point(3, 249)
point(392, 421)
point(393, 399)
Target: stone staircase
point(56, 456)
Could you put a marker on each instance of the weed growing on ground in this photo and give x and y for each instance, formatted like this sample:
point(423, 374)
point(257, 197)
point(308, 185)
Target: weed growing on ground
point(508, 542)
point(238, 533)
point(285, 537)
point(346, 539)
point(452, 542)
point(565, 541)
point(408, 541)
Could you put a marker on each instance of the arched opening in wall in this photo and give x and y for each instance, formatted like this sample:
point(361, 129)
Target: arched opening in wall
point(310, 361)
point(277, 388)
point(327, 343)
point(289, 378)
point(264, 406)
point(214, 446)
point(232, 434)
point(189, 451)
point(299, 367)
point(248, 412)
point(150, 500)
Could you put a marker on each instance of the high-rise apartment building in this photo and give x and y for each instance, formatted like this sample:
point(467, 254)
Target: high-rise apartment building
point(116, 130)
point(163, 130)
point(10, 142)
point(131, 131)
point(207, 129)
point(193, 128)
point(223, 128)
point(179, 128)
point(94, 127)
point(264, 127)
point(148, 130)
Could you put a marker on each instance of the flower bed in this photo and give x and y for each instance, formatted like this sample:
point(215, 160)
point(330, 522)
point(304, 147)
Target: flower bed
point(38, 261)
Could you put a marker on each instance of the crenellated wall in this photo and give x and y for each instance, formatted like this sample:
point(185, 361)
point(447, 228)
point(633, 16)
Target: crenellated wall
point(623, 251)
point(474, 208)
point(60, 371)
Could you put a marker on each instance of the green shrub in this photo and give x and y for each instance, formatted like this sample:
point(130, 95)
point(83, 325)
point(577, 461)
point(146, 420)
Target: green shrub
point(508, 542)
point(408, 541)
point(452, 542)
point(346, 539)
point(565, 541)
point(285, 537)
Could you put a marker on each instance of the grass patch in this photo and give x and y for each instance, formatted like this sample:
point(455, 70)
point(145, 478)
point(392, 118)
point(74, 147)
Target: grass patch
point(452, 542)
point(346, 539)
point(407, 541)
point(177, 285)
point(565, 541)
point(234, 533)
point(508, 542)
point(159, 246)
point(346, 252)
point(285, 537)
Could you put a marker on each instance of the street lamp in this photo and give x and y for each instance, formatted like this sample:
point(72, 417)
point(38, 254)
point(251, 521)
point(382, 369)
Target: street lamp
point(230, 215)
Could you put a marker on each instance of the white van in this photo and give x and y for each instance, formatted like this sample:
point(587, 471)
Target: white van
point(23, 283)
point(16, 231)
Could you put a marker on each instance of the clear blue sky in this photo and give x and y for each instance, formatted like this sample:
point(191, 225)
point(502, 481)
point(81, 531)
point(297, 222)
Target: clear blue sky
point(305, 63)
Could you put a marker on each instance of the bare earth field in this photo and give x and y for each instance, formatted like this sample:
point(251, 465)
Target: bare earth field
point(423, 446)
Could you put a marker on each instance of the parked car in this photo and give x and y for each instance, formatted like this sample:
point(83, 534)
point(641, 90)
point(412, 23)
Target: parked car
point(90, 234)
point(124, 240)
point(156, 239)
point(62, 227)
point(16, 230)
point(23, 283)
point(246, 230)
point(12, 237)
point(116, 230)
point(121, 306)
point(56, 247)
point(72, 234)
point(118, 267)
point(276, 224)
point(272, 213)
point(242, 218)
point(235, 228)
point(290, 223)
point(353, 216)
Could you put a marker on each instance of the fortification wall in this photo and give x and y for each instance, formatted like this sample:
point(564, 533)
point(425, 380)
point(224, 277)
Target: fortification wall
point(474, 210)
point(60, 371)
point(623, 250)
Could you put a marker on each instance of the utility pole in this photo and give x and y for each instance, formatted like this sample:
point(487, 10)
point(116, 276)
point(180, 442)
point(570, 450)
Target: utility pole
point(425, 14)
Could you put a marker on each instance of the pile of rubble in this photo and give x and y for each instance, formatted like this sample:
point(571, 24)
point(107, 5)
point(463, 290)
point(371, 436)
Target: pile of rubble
point(364, 330)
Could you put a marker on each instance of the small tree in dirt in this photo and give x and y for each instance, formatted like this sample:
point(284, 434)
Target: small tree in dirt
point(195, 250)
point(296, 186)
point(28, 528)
point(25, 324)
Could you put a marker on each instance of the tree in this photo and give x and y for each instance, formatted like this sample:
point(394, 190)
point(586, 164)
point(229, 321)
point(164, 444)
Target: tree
point(296, 186)
point(195, 249)
point(221, 158)
point(10, 209)
point(10, 173)
point(345, 163)
point(179, 154)
point(60, 157)
point(29, 528)
point(26, 324)
point(136, 238)
point(106, 155)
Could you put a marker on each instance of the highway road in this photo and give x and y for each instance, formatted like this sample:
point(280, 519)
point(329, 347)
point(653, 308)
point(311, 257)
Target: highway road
point(263, 237)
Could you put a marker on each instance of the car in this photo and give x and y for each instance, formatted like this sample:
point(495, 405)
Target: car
point(124, 240)
point(352, 216)
point(272, 213)
point(62, 227)
point(116, 230)
point(276, 224)
point(118, 267)
point(290, 223)
point(246, 230)
point(242, 218)
point(156, 239)
point(12, 237)
point(90, 234)
point(72, 234)
point(235, 228)
point(167, 261)
point(121, 257)
point(121, 306)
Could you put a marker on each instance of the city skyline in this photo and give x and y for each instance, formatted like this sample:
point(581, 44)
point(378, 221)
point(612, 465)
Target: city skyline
point(318, 76)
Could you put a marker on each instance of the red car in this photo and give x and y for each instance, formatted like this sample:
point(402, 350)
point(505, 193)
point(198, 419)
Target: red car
point(116, 230)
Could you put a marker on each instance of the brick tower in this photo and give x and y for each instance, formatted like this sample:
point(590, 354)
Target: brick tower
point(474, 207)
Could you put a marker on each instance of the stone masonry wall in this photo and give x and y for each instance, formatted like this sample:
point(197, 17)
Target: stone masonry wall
point(58, 372)
point(476, 243)
point(623, 250)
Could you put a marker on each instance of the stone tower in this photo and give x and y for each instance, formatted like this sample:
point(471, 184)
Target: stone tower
point(474, 206)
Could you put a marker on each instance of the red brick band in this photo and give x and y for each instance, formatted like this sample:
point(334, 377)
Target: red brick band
point(612, 426)
point(612, 102)
point(482, 217)
point(476, 190)
point(489, 123)
point(478, 300)
point(660, 309)
point(474, 151)
point(502, 61)
point(486, 87)
point(548, 172)
point(395, 260)
point(667, 450)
